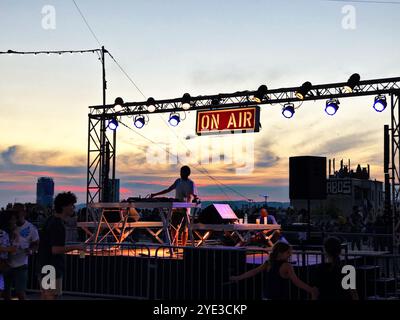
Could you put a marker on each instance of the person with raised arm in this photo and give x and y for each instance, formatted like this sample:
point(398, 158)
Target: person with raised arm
point(185, 191)
point(280, 274)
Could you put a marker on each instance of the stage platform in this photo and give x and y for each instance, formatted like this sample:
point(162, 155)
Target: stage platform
point(254, 255)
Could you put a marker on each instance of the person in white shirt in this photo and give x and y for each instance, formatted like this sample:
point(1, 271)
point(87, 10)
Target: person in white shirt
point(27, 243)
point(185, 191)
point(7, 227)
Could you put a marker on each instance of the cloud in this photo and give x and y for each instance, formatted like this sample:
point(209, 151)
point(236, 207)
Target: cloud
point(22, 161)
point(345, 143)
point(7, 155)
point(20, 167)
point(230, 74)
point(16, 187)
point(18, 154)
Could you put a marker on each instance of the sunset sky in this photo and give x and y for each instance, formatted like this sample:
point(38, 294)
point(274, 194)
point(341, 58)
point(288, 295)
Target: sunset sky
point(169, 47)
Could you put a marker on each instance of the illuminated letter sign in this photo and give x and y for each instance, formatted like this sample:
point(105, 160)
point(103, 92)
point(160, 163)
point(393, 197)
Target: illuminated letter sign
point(339, 186)
point(228, 121)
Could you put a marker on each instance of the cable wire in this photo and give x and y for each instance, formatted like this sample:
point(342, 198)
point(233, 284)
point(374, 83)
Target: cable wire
point(140, 91)
point(167, 151)
point(144, 96)
point(11, 52)
point(86, 22)
point(127, 75)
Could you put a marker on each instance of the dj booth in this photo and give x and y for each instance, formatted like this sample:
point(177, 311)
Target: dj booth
point(115, 220)
point(122, 228)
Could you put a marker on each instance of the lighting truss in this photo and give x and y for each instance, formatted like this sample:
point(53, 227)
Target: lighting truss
point(98, 158)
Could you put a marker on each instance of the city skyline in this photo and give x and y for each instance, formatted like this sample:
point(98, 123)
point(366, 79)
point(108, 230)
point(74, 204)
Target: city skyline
point(187, 47)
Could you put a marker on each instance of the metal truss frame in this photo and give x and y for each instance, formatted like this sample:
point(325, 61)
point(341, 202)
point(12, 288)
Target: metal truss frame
point(102, 146)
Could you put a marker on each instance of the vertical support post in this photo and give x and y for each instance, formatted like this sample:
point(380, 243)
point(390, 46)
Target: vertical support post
point(392, 162)
point(386, 165)
point(93, 160)
point(114, 159)
point(88, 167)
point(309, 220)
point(395, 166)
point(103, 128)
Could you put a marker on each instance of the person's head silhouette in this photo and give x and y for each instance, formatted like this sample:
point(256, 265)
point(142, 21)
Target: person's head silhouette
point(185, 172)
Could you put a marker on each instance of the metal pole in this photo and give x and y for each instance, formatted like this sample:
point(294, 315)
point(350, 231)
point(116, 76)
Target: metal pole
point(395, 103)
point(394, 134)
point(386, 166)
point(309, 220)
point(102, 128)
point(392, 158)
point(88, 168)
point(114, 159)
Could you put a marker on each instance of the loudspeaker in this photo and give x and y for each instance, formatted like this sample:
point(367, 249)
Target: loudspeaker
point(307, 178)
point(217, 214)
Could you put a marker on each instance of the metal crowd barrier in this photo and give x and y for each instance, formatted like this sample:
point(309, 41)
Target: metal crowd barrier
point(146, 271)
point(356, 241)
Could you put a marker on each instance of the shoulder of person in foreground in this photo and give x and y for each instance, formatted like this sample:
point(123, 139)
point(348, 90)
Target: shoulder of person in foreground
point(286, 268)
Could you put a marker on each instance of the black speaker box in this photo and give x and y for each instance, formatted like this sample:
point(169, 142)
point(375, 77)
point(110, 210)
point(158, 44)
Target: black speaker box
point(307, 178)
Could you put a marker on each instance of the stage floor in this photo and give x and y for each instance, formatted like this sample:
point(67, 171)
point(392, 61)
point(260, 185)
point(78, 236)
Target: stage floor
point(177, 254)
point(255, 256)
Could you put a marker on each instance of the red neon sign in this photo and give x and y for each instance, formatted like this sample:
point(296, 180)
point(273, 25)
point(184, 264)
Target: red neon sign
point(228, 121)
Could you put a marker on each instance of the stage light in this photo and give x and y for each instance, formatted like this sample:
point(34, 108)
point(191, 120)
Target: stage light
point(380, 103)
point(139, 122)
point(352, 83)
point(174, 119)
point(303, 90)
point(112, 124)
point(332, 106)
point(119, 102)
point(215, 102)
point(260, 94)
point(288, 110)
point(186, 101)
point(151, 105)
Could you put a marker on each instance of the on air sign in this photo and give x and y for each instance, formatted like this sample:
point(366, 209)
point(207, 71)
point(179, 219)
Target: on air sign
point(228, 120)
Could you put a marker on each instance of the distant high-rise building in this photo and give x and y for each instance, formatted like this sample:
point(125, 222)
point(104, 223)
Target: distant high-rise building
point(45, 191)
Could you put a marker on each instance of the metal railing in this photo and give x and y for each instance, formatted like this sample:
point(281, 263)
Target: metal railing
point(145, 271)
point(355, 241)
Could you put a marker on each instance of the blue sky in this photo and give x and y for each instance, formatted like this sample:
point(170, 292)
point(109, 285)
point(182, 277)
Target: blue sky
point(202, 47)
